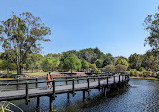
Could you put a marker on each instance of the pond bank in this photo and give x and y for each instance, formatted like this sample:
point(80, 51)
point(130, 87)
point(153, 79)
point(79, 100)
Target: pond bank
point(147, 78)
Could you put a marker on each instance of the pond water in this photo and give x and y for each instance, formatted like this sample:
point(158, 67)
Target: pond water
point(141, 96)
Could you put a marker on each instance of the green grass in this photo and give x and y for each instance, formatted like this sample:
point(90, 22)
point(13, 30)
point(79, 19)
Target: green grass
point(1, 79)
point(38, 73)
point(148, 78)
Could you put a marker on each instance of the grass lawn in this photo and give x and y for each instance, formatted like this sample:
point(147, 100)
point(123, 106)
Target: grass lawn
point(2, 79)
point(39, 73)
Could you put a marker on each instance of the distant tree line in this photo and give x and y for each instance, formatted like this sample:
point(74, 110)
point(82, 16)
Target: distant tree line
point(87, 60)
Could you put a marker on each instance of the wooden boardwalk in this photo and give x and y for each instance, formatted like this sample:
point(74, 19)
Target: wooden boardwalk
point(102, 82)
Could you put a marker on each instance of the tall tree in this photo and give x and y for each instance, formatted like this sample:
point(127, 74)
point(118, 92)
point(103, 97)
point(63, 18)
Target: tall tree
point(108, 60)
point(85, 64)
point(122, 62)
point(22, 34)
point(72, 62)
point(135, 61)
point(53, 63)
point(151, 24)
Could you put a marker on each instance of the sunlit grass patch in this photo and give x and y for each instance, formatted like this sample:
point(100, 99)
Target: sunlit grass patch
point(148, 78)
point(3, 79)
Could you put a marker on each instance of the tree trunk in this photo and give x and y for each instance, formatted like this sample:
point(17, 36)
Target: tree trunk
point(51, 69)
point(18, 71)
point(7, 71)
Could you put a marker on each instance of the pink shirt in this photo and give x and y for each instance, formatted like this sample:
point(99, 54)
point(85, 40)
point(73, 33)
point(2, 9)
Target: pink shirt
point(51, 76)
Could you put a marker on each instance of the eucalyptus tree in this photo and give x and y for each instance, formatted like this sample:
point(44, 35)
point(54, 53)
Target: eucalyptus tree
point(151, 24)
point(22, 34)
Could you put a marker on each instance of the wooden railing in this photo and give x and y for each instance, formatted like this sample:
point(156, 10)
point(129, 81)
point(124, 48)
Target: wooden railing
point(52, 94)
point(66, 79)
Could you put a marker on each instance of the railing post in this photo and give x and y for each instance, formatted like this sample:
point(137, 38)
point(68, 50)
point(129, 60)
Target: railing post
point(17, 84)
point(73, 87)
point(84, 97)
point(36, 82)
point(77, 80)
point(88, 83)
point(99, 82)
point(119, 78)
point(26, 93)
point(114, 79)
point(107, 81)
point(53, 89)
point(66, 80)
point(122, 78)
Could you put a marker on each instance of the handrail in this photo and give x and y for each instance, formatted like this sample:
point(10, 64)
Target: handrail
point(63, 77)
point(62, 80)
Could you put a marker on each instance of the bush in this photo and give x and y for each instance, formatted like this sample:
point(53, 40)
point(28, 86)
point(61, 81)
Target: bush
point(136, 73)
point(131, 73)
point(146, 73)
point(142, 69)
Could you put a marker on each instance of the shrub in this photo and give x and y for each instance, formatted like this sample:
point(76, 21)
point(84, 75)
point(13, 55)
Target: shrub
point(146, 73)
point(131, 73)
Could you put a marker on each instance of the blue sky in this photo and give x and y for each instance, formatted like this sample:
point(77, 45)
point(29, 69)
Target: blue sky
point(114, 26)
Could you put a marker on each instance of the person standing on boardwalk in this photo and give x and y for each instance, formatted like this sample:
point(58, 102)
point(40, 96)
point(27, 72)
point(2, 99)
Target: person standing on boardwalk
point(51, 76)
point(48, 79)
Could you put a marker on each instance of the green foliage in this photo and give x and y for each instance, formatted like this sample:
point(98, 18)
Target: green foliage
point(121, 68)
point(50, 63)
point(142, 69)
point(93, 67)
point(136, 73)
point(6, 62)
point(122, 62)
point(135, 61)
point(110, 68)
point(67, 53)
point(72, 62)
point(33, 61)
point(99, 63)
point(146, 73)
point(108, 60)
point(85, 64)
point(131, 73)
point(91, 55)
point(150, 61)
point(151, 25)
point(22, 35)
point(54, 63)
